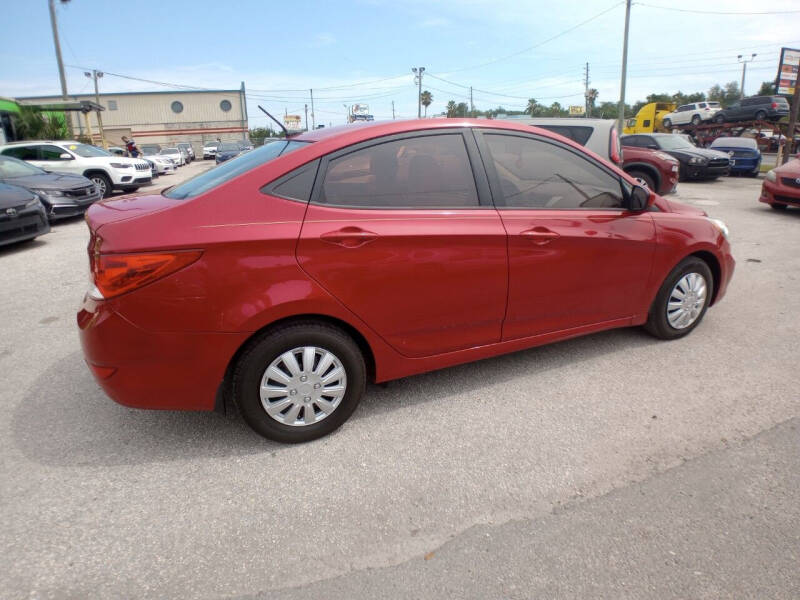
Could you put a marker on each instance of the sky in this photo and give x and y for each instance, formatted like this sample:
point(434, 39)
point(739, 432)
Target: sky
point(362, 51)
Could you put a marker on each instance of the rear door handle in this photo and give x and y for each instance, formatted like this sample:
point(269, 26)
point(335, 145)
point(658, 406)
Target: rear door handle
point(540, 235)
point(349, 237)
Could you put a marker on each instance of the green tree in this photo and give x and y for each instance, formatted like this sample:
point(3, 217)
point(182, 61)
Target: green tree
point(451, 109)
point(532, 107)
point(591, 97)
point(462, 109)
point(767, 89)
point(426, 98)
point(33, 124)
point(725, 95)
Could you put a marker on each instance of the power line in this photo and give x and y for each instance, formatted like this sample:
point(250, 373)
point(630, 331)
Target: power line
point(717, 12)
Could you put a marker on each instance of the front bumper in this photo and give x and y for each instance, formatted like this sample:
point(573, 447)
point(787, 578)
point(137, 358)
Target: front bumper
point(63, 207)
point(703, 171)
point(745, 165)
point(777, 193)
point(146, 369)
point(25, 225)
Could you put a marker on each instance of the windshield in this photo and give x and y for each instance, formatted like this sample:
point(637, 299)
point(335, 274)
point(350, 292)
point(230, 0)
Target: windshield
point(87, 151)
point(227, 147)
point(170, 151)
point(149, 150)
point(232, 168)
point(673, 142)
point(731, 142)
point(211, 144)
point(11, 167)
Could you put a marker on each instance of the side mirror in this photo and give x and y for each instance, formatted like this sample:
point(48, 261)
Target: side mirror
point(639, 198)
point(65, 156)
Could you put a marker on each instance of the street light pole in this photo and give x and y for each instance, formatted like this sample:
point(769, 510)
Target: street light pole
point(744, 62)
point(94, 75)
point(418, 71)
point(621, 109)
point(61, 76)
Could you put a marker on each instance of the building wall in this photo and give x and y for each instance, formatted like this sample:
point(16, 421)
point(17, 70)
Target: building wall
point(150, 118)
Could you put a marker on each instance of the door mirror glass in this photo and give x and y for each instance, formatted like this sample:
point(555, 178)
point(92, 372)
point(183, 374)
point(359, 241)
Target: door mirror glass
point(65, 156)
point(639, 198)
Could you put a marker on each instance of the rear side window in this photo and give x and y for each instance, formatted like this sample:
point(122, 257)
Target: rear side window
point(22, 152)
point(418, 172)
point(578, 134)
point(538, 174)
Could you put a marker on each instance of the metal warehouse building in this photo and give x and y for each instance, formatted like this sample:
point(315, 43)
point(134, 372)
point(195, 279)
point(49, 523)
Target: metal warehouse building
point(163, 117)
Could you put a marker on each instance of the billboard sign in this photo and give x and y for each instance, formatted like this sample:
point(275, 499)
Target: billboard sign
point(292, 122)
point(787, 71)
point(576, 110)
point(359, 109)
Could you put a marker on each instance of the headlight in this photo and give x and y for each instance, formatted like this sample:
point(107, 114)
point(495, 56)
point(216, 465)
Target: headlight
point(33, 202)
point(51, 193)
point(665, 156)
point(770, 176)
point(719, 224)
point(121, 165)
point(696, 160)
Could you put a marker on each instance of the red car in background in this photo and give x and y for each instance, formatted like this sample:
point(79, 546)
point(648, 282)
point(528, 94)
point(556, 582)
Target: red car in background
point(781, 187)
point(657, 169)
point(289, 276)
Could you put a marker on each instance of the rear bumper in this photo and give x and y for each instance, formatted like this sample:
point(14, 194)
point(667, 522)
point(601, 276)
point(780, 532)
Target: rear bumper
point(773, 193)
point(157, 370)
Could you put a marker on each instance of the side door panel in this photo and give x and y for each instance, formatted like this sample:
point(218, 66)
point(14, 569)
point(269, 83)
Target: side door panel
point(428, 278)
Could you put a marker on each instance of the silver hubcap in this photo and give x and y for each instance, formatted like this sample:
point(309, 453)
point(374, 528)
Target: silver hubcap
point(686, 301)
point(303, 386)
point(100, 183)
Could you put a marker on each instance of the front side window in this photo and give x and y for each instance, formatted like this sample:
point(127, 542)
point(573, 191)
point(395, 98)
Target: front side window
point(538, 174)
point(418, 172)
point(232, 168)
point(51, 153)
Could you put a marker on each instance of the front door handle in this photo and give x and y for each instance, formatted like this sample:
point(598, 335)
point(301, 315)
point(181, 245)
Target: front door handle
point(540, 235)
point(349, 237)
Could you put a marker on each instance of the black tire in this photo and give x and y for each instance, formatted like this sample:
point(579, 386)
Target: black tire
point(777, 206)
point(130, 190)
point(102, 181)
point(646, 177)
point(761, 116)
point(718, 118)
point(667, 123)
point(657, 323)
point(696, 120)
point(262, 351)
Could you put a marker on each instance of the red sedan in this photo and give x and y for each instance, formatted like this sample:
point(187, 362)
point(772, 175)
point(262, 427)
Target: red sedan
point(288, 277)
point(781, 187)
point(657, 169)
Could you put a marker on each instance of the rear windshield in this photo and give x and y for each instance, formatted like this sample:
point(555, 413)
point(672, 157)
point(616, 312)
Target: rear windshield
point(232, 168)
point(734, 142)
point(577, 133)
point(780, 100)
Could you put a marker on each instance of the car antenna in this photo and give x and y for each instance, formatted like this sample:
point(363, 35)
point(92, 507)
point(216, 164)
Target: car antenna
point(281, 125)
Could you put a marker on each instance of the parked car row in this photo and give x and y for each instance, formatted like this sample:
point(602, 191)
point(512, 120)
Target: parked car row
point(231, 148)
point(754, 108)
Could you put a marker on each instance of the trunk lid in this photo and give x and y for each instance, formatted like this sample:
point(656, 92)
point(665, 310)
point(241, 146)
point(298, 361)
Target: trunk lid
point(124, 208)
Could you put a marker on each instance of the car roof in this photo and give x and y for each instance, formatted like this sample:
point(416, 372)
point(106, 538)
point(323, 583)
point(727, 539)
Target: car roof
point(37, 142)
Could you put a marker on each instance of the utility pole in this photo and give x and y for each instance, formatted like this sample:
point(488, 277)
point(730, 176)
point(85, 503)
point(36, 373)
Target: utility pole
point(586, 91)
point(793, 117)
point(62, 77)
point(94, 75)
point(306, 105)
point(621, 108)
point(471, 104)
point(313, 123)
point(392, 110)
point(744, 62)
point(418, 71)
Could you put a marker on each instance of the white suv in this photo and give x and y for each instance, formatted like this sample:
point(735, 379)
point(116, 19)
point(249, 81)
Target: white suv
point(107, 172)
point(210, 149)
point(694, 114)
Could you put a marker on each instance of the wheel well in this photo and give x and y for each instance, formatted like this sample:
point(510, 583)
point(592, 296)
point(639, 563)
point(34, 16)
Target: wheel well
point(713, 264)
point(90, 172)
point(223, 393)
point(649, 169)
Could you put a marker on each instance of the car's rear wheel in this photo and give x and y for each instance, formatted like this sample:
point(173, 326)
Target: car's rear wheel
point(299, 381)
point(682, 300)
point(719, 118)
point(667, 123)
point(761, 115)
point(696, 120)
point(646, 178)
point(102, 182)
point(777, 206)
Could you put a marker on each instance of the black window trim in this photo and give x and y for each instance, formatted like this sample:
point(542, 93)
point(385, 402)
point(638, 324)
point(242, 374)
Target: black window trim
point(475, 163)
point(269, 188)
point(494, 180)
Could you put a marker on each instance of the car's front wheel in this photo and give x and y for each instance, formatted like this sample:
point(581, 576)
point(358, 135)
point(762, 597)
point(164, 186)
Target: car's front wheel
point(299, 381)
point(102, 182)
point(682, 300)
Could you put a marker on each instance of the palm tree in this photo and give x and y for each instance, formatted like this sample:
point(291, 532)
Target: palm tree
point(451, 109)
point(591, 98)
point(426, 98)
point(532, 107)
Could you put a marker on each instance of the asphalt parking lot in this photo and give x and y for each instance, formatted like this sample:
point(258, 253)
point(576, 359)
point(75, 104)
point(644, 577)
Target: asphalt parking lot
point(613, 465)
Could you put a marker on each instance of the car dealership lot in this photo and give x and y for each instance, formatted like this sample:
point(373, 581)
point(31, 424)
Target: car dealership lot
point(464, 471)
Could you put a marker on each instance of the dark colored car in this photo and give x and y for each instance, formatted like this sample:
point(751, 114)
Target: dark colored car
point(22, 215)
point(226, 151)
point(656, 168)
point(758, 108)
point(744, 154)
point(781, 187)
point(695, 163)
point(62, 194)
point(290, 276)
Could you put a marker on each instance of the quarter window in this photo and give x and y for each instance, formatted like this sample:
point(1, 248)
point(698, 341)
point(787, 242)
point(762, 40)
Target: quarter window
point(537, 174)
point(419, 172)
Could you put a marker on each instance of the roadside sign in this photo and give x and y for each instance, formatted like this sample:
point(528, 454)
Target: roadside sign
point(359, 109)
point(787, 71)
point(292, 122)
point(577, 110)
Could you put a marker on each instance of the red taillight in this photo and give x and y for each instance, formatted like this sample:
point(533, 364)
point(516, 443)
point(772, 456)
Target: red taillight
point(115, 274)
point(615, 150)
point(774, 105)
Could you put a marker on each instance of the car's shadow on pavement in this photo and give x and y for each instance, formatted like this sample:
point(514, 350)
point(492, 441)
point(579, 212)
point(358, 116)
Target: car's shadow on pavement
point(65, 419)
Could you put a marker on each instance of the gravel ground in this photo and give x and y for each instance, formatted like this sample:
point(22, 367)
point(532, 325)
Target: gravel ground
point(572, 470)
